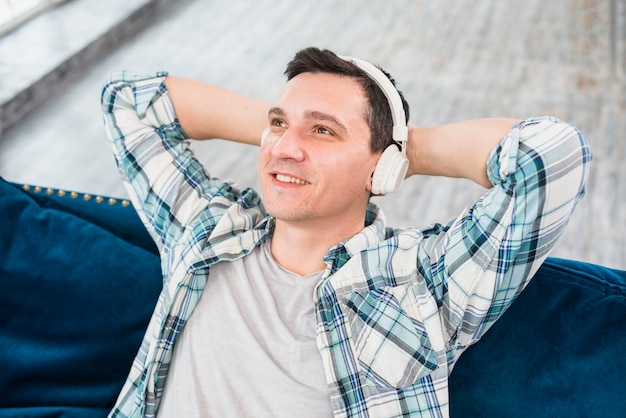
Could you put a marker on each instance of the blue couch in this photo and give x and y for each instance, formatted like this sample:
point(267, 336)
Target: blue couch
point(80, 276)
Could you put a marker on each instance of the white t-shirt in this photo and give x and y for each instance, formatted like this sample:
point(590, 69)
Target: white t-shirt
point(249, 347)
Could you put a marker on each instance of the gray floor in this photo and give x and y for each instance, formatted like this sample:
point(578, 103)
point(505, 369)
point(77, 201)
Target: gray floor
point(454, 60)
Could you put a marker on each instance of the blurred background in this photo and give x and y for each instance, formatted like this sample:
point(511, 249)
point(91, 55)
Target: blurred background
point(453, 60)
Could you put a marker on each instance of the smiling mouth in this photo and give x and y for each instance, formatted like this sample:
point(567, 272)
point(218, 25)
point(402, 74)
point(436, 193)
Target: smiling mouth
point(287, 179)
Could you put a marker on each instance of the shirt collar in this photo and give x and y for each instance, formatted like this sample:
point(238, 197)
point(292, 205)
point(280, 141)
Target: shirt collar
point(371, 234)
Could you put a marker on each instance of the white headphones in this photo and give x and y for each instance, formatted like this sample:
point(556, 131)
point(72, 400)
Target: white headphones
point(392, 164)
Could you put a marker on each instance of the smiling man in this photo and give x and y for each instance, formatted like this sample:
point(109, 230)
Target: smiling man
point(316, 170)
point(308, 304)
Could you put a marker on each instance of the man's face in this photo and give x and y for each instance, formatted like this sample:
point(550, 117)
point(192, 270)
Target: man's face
point(315, 166)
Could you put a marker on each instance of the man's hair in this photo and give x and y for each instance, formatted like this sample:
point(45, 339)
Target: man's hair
point(378, 115)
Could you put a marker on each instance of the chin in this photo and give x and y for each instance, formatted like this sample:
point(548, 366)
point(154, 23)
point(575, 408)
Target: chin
point(291, 216)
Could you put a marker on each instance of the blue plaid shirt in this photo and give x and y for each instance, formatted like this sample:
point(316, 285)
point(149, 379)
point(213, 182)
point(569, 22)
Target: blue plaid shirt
point(395, 307)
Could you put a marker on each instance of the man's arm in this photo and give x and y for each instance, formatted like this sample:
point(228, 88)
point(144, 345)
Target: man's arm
point(206, 111)
point(535, 172)
point(458, 149)
point(168, 186)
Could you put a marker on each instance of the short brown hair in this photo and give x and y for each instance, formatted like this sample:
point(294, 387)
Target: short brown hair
point(378, 116)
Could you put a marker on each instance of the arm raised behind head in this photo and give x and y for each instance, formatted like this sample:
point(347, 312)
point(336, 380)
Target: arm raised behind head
point(458, 149)
point(149, 120)
point(206, 111)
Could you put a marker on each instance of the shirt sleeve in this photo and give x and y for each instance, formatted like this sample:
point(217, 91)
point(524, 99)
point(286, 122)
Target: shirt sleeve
point(166, 183)
point(486, 256)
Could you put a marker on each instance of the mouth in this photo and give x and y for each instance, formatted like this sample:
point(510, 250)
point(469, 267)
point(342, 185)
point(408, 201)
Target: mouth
point(288, 179)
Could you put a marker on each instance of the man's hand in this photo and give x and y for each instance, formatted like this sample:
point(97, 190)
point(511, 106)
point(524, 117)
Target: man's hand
point(458, 149)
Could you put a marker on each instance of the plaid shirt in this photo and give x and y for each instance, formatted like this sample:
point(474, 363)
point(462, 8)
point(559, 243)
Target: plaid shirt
point(395, 308)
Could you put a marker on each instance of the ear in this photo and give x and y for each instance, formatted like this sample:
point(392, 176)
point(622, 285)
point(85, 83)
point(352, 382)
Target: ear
point(369, 185)
point(370, 180)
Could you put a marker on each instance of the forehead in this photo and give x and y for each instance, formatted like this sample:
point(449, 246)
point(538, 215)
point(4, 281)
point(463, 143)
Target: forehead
point(323, 92)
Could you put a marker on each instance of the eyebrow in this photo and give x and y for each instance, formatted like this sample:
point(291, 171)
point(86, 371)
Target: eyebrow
point(311, 114)
point(276, 111)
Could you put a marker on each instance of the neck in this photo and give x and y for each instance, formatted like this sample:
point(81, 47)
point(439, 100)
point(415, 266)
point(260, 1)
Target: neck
point(301, 248)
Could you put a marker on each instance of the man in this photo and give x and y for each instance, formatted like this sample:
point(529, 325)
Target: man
point(310, 305)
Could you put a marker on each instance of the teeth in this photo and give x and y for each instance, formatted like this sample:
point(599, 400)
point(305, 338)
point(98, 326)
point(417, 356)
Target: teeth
point(287, 179)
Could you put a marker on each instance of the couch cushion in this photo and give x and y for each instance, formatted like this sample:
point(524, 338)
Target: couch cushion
point(559, 351)
point(76, 297)
point(112, 214)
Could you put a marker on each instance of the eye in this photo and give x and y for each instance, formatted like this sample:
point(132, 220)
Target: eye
point(323, 130)
point(278, 122)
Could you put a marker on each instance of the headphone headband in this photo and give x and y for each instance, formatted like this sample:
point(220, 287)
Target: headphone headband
point(400, 130)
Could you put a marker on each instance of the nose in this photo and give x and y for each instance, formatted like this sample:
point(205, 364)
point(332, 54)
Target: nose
point(289, 146)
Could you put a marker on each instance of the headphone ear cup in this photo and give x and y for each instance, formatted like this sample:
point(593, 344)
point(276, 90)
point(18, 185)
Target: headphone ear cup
point(390, 171)
point(264, 135)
